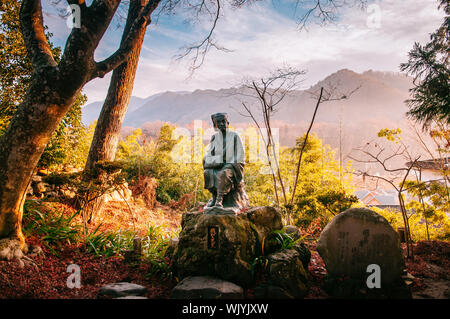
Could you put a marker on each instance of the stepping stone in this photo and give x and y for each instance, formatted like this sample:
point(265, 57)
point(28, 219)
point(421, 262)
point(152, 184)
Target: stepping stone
point(122, 289)
point(204, 287)
point(132, 297)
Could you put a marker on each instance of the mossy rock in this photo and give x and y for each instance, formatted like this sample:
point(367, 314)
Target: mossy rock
point(239, 242)
point(285, 270)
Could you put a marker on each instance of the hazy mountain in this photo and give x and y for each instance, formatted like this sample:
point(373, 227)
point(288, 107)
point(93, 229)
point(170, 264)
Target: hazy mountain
point(380, 96)
point(378, 102)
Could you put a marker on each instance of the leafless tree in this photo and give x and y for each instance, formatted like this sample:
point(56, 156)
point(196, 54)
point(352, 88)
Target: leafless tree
point(375, 154)
point(269, 93)
point(324, 11)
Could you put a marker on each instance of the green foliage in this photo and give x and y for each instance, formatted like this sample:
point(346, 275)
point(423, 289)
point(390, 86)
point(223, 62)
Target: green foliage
point(434, 193)
point(67, 142)
point(429, 64)
point(109, 243)
point(15, 75)
point(283, 239)
point(324, 187)
point(54, 227)
point(155, 244)
point(154, 159)
point(337, 201)
point(114, 243)
point(390, 135)
point(438, 226)
point(430, 204)
point(15, 66)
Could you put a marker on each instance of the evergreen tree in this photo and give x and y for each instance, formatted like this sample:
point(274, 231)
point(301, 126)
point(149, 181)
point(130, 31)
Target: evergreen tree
point(15, 74)
point(429, 64)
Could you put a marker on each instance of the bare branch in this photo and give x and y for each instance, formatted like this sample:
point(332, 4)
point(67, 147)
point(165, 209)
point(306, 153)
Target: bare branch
point(297, 172)
point(332, 92)
point(199, 50)
point(325, 11)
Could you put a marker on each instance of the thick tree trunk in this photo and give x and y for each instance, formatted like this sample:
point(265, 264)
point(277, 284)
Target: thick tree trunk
point(52, 91)
point(21, 147)
point(109, 123)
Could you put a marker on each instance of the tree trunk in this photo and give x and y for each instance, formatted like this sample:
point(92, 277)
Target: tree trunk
point(21, 147)
point(109, 124)
point(52, 91)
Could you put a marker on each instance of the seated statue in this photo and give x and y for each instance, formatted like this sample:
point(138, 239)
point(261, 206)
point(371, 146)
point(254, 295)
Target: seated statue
point(224, 168)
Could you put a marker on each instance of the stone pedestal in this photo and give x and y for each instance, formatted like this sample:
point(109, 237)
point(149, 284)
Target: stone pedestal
point(224, 245)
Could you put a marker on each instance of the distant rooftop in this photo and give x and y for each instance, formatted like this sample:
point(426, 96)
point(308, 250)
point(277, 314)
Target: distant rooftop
point(434, 164)
point(378, 198)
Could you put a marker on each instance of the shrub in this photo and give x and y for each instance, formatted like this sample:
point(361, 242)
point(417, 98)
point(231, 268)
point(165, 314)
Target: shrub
point(109, 243)
point(54, 227)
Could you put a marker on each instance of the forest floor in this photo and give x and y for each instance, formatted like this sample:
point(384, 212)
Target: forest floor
point(47, 277)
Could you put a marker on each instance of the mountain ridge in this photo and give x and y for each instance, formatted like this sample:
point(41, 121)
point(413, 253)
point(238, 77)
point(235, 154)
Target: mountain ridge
point(380, 93)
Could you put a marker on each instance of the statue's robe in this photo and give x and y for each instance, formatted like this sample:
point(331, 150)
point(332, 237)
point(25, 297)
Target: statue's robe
point(230, 152)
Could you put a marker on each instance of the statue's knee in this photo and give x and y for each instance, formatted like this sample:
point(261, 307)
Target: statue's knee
point(222, 174)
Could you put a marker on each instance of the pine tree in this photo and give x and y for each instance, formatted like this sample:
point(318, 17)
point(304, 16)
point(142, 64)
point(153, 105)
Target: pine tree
point(429, 64)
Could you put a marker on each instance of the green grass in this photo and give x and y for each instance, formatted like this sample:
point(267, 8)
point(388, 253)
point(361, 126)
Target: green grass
point(55, 227)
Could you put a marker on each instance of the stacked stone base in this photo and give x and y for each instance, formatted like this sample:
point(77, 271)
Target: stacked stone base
point(226, 247)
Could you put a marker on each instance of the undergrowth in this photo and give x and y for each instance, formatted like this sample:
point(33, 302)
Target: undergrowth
point(57, 227)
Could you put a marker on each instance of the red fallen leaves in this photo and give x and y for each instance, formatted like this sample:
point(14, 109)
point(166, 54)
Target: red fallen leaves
point(49, 279)
point(317, 272)
point(431, 260)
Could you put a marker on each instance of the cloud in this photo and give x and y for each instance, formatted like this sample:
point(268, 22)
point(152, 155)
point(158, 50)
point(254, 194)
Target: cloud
point(262, 38)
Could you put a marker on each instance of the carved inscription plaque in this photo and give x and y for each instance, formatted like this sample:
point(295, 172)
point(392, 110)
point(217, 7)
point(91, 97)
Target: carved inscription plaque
point(213, 237)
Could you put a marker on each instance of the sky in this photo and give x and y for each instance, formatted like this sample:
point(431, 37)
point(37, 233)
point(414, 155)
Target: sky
point(262, 37)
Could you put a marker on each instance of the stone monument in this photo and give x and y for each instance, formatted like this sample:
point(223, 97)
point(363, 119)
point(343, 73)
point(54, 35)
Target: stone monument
point(224, 169)
point(360, 246)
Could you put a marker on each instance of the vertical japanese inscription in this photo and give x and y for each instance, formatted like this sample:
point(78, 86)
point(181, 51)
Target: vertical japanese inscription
point(213, 237)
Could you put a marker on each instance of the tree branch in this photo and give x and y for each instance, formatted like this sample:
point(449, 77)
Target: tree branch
point(304, 145)
point(118, 57)
point(200, 50)
point(33, 33)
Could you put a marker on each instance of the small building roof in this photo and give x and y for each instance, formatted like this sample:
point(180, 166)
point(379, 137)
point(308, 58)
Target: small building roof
point(433, 164)
point(383, 197)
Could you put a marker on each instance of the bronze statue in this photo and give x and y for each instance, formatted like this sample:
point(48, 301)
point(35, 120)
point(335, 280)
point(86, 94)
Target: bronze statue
point(224, 168)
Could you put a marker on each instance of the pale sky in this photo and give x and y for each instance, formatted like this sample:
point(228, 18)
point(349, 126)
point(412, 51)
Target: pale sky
point(264, 36)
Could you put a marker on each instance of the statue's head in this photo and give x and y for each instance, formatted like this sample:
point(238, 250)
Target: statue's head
point(220, 121)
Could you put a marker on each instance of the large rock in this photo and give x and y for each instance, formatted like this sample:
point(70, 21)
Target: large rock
point(357, 238)
point(239, 242)
point(304, 254)
point(285, 270)
point(204, 287)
